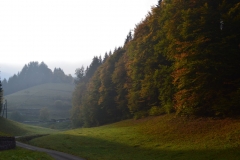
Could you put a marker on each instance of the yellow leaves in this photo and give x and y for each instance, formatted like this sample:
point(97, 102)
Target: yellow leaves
point(185, 100)
point(181, 56)
point(100, 100)
point(178, 77)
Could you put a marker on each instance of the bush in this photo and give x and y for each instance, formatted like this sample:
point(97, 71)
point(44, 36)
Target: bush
point(140, 114)
point(156, 111)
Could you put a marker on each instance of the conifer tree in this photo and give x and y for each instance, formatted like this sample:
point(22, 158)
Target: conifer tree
point(129, 38)
point(1, 96)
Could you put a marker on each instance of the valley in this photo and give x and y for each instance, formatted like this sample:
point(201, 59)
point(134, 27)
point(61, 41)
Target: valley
point(42, 105)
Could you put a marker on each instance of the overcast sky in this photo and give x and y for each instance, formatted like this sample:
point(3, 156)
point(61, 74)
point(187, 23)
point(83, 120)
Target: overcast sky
point(64, 33)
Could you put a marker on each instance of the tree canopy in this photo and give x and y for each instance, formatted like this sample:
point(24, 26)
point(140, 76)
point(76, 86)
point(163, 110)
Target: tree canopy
point(183, 57)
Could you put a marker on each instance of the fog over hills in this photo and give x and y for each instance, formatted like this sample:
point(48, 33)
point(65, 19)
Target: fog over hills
point(5, 75)
point(68, 68)
point(32, 74)
point(9, 70)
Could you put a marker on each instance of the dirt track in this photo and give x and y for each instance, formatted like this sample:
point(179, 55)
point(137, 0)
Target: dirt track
point(55, 154)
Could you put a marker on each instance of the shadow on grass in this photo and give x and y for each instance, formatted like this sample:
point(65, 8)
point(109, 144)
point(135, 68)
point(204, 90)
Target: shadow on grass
point(23, 154)
point(99, 149)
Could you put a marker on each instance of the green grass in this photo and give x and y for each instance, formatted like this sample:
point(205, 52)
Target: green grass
point(58, 126)
point(41, 96)
point(2, 134)
point(23, 154)
point(152, 138)
point(46, 91)
point(13, 128)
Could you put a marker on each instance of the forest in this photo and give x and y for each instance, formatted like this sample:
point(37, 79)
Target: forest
point(182, 58)
point(33, 74)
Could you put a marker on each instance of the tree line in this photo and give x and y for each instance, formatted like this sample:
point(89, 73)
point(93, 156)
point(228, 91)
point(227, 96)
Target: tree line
point(1, 97)
point(32, 74)
point(184, 57)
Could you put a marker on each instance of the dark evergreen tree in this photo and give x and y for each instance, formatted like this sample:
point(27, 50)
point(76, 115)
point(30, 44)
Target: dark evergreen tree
point(119, 79)
point(80, 75)
point(159, 3)
point(93, 67)
point(105, 57)
point(1, 96)
point(81, 114)
point(129, 38)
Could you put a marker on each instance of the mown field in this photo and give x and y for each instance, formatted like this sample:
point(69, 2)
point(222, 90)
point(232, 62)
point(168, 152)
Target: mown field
point(56, 97)
point(164, 137)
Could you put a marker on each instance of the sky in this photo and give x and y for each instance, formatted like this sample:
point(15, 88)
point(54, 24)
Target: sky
point(64, 33)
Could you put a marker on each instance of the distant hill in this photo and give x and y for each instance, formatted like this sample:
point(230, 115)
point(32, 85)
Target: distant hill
point(34, 74)
point(28, 103)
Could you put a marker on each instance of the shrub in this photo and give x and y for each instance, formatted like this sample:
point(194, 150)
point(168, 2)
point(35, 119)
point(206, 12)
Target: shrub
point(140, 114)
point(156, 111)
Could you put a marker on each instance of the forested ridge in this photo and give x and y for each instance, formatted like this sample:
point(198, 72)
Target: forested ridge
point(183, 57)
point(33, 74)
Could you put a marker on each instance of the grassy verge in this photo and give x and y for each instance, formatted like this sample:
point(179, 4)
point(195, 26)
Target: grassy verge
point(23, 154)
point(163, 137)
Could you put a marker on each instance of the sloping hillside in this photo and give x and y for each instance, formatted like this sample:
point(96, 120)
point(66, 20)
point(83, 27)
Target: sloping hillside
point(9, 127)
point(56, 97)
point(153, 138)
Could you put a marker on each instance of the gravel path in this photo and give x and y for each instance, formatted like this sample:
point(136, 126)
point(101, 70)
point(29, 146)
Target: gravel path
point(55, 154)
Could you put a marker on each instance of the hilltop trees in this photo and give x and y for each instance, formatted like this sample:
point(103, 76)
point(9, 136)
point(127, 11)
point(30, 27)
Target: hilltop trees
point(183, 57)
point(34, 74)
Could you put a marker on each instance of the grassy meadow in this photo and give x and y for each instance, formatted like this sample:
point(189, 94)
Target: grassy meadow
point(61, 126)
point(152, 138)
point(24, 154)
point(41, 96)
point(12, 128)
point(164, 137)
